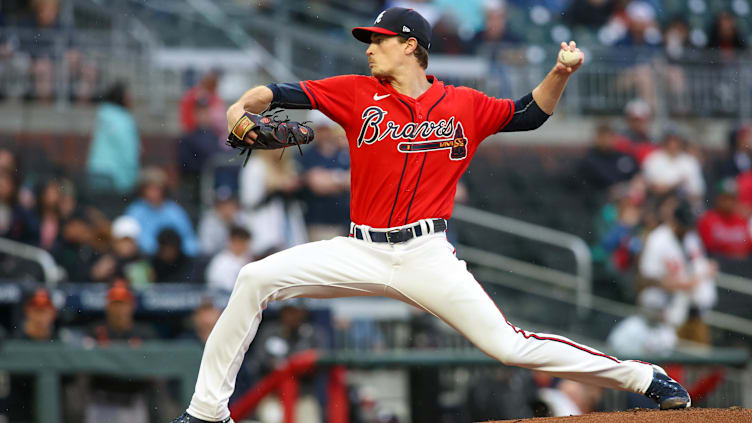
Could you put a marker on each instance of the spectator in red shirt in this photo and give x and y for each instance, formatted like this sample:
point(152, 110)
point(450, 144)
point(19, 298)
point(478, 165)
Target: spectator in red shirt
point(744, 185)
point(636, 140)
point(206, 90)
point(724, 231)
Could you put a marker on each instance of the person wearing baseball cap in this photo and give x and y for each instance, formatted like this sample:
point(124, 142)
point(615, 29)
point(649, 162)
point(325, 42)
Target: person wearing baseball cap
point(39, 317)
point(38, 326)
point(119, 324)
point(724, 229)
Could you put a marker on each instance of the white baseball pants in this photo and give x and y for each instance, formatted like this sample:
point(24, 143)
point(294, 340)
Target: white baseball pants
point(423, 272)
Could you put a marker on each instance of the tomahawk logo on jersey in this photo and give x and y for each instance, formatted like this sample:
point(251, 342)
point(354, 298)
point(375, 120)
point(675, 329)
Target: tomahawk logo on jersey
point(407, 154)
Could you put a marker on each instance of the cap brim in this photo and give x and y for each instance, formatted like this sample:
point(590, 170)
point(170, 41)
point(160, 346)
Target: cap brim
point(363, 33)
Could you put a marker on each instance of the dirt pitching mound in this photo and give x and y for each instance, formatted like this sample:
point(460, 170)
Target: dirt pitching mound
point(690, 415)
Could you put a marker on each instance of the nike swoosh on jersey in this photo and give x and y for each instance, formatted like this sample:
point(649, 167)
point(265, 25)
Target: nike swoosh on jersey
point(380, 97)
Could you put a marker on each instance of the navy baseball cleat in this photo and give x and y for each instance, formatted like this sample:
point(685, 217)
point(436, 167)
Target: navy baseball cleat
point(187, 418)
point(668, 393)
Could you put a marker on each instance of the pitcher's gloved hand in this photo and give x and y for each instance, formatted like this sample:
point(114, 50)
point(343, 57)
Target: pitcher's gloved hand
point(271, 133)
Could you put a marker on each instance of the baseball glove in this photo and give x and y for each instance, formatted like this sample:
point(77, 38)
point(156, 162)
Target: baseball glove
point(272, 133)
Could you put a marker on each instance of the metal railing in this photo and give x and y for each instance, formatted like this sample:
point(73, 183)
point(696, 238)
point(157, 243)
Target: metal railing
point(581, 283)
point(52, 273)
point(316, 43)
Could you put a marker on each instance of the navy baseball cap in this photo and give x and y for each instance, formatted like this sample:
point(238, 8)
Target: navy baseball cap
point(397, 21)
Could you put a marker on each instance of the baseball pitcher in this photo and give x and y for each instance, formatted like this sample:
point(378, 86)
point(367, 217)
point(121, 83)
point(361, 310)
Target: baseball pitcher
point(410, 137)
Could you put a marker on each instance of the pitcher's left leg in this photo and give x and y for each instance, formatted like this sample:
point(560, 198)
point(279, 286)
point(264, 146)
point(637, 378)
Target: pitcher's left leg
point(434, 279)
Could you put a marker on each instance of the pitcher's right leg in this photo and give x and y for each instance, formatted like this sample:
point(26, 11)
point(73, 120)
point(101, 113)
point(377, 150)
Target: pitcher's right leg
point(335, 268)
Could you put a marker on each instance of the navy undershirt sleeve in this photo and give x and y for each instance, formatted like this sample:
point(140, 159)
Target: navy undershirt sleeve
point(289, 96)
point(527, 115)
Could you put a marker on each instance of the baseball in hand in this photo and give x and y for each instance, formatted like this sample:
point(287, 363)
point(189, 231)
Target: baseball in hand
point(569, 58)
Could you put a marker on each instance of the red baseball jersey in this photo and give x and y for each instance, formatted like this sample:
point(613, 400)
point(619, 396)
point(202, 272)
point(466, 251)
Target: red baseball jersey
point(406, 154)
point(728, 235)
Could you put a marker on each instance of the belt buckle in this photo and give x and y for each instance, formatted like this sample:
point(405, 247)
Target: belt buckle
point(393, 231)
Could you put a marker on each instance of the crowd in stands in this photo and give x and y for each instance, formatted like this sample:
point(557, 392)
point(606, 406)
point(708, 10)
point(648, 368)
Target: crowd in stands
point(270, 204)
point(39, 56)
point(672, 219)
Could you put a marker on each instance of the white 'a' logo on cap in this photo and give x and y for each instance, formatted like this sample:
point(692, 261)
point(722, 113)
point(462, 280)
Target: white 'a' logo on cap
point(378, 18)
point(405, 29)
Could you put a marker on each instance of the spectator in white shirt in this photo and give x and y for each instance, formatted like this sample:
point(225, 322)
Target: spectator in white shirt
point(674, 260)
point(225, 266)
point(645, 333)
point(672, 168)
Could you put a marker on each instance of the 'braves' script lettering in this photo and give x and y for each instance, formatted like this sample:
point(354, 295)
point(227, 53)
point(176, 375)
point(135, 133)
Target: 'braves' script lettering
point(371, 130)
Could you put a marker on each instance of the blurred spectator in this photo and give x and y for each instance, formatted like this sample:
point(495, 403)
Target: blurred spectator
point(68, 200)
point(49, 213)
point(676, 42)
point(16, 222)
point(444, 37)
point(725, 36)
point(495, 30)
point(170, 263)
point(679, 52)
point(497, 43)
point(636, 140)
point(74, 249)
point(8, 46)
point(196, 148)
point(43, 18)
point(642, 29)
point(570, 398)
point(590, 13)
point(224, 267)
point(642, 41)
point(114, 156)
point(467, 14)
point(124, 260)
point(739, 155)
point(724, 231)
point(155, 212)
point(38, 325)
point(672, 168)
point(647, 333)
point(276, 341)
point(203, 319)
point(40, 314)
point(47, 39)
point(119, 324)
point(117, 399)
point(621, 239)
point(204, 91)
point(673, 260)
point(8, 161)
point(214, 227)
point(326, 175)
point(268, 189)
point(744, 184)
point(604, 165)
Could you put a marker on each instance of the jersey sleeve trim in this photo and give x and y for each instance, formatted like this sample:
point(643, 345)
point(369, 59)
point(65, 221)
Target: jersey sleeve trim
point(309, 94)
point(511, 114)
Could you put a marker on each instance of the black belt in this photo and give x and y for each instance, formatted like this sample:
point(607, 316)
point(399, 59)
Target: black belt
point(400, 235)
